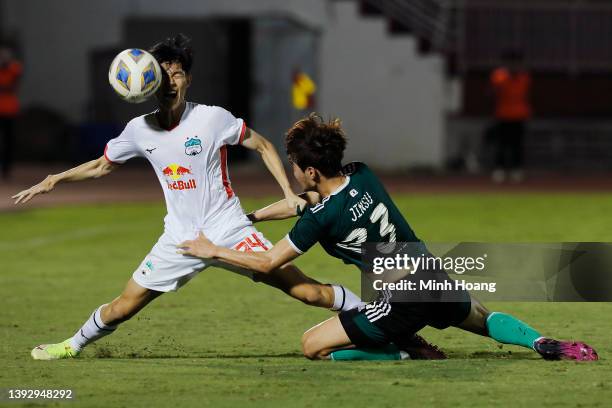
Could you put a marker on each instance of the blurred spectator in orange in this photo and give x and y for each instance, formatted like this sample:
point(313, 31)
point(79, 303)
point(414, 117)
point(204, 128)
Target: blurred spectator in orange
point(10, 71)
point(511, 84)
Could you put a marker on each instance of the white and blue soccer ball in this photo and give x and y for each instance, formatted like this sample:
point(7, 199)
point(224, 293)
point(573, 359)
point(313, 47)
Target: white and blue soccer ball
point(135, 75)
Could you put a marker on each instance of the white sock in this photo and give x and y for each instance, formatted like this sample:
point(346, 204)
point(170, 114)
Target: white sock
point(92, 330)
point(344, 299)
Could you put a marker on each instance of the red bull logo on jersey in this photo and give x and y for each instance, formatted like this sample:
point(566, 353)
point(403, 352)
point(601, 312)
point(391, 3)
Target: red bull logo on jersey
point(176, 177)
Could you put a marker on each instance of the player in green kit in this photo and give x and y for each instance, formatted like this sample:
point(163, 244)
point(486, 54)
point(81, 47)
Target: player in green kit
point(349, 206)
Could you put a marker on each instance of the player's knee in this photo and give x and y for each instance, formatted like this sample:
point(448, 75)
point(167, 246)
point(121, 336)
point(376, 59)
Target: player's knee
point(309, 347)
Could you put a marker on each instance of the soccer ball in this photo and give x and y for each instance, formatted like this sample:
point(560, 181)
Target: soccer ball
point(135, 75)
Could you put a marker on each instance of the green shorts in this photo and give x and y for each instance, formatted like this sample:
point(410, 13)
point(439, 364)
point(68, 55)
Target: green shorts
point(381, 322)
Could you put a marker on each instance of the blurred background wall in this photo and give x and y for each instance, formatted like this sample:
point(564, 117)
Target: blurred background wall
point(383, 90)
point(410, 79)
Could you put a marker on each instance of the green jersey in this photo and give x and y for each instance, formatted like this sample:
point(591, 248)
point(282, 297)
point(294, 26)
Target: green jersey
point(359, 211)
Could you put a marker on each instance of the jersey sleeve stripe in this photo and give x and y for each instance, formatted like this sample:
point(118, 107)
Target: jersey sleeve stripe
point(242, 132)
point(295, 248)
point(224, 177)
point(107, 158)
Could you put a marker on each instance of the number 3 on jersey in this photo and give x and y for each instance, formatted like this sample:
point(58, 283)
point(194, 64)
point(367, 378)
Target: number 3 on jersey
point(358, 236)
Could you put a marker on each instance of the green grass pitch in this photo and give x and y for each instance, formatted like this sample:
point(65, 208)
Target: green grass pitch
point(223, 340)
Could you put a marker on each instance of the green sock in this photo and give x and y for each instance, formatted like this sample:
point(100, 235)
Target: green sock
point(388, 352)
point(510, 330)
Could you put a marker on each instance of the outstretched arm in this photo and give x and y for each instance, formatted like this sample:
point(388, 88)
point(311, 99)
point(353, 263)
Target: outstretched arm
point(264, 262)
point(280, 210)
point(91, 169)
point(255, 141)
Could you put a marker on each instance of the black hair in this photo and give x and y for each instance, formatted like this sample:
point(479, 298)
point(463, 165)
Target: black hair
point(174, 49)
point(311, 142)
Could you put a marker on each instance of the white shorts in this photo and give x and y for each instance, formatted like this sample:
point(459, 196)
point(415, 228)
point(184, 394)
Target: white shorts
point(164, 270)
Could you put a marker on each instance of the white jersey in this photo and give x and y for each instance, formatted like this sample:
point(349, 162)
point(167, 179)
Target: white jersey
point(190, 161)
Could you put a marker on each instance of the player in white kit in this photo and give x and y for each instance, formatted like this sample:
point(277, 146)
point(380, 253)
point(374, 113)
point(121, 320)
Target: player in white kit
point(186, 144)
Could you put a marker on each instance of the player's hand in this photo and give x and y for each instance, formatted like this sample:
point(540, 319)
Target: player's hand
point(295, 202)
point(41, 188)
point(200, 247)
